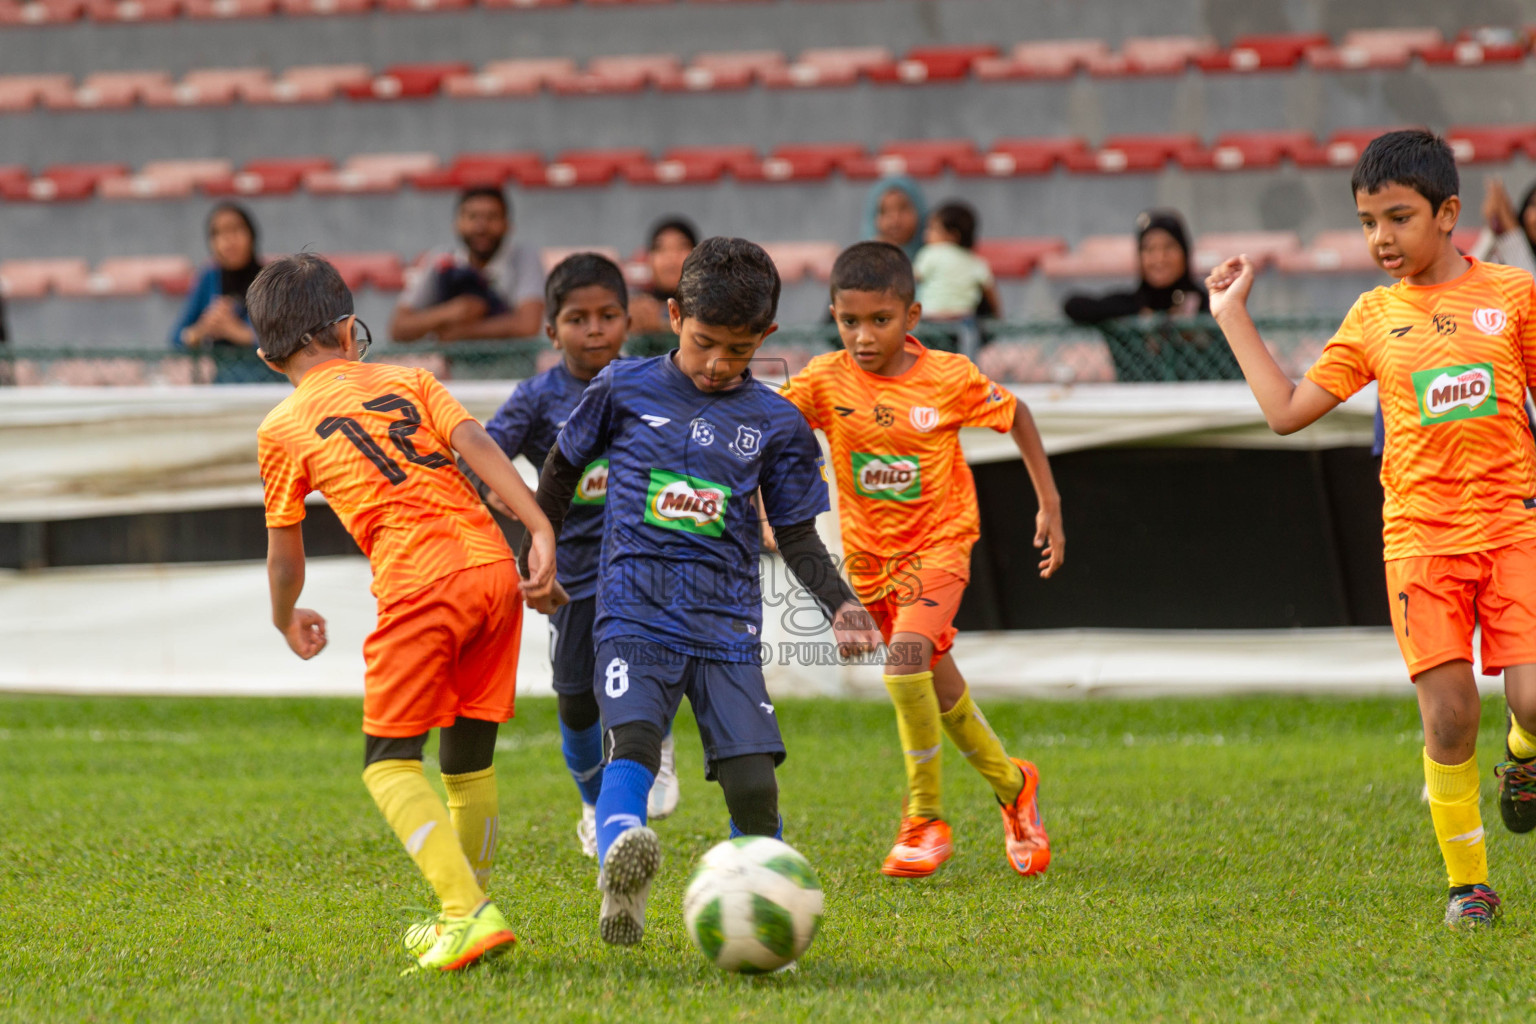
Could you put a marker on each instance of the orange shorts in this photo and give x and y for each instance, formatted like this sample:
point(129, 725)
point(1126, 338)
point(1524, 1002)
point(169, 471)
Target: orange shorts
point(1437, 600)
point(446, 651)
point(926, 608)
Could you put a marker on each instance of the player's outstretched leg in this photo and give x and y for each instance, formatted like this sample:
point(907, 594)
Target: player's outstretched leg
point(665, 791)
point(751, 795)
point(629, 852)
point(1016, 783)
point(581, 742)
point(465, 752)
point(923, 842)
point(628, 868)
point(1449, 706)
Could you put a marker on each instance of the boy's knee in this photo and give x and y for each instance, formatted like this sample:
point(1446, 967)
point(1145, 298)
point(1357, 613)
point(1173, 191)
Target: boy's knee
point(636, 741)
point(751, 792)
point(393, 748)
point(578, 711)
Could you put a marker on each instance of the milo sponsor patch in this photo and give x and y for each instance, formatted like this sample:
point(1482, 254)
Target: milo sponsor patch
point(676, 501)
point(593, 487)
point(892, 477)
point(1455, 393)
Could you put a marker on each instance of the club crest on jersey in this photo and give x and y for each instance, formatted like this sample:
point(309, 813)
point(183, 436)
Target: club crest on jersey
point(748, 443)
point(887, 477)
point(702, 432)
point(924, 417)
point(677, 501)
point(1456, 393)
point(1489, 321)
point(592, 489)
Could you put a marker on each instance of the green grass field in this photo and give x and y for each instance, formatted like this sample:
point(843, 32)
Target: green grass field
point(1256, 859)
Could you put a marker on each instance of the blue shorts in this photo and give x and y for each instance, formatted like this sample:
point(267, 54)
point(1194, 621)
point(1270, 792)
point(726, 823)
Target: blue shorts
point(639, 680)
point(570, 646)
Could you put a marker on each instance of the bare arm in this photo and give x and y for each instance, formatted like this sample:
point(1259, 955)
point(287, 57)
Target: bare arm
point(522, 322)
point(303, 628)
point(1287, 406)
point(492, 466)
point(1049, 536)
point(993, 300)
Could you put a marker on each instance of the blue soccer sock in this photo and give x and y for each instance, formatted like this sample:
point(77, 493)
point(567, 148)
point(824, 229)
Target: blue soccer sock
point(621, 804)
point(583, 751)
point(737, 833)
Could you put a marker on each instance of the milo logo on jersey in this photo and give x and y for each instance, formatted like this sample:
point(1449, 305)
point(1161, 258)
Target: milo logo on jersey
point(679, 502)
point(892, 477)
point(1455, 393)
point(593, 487)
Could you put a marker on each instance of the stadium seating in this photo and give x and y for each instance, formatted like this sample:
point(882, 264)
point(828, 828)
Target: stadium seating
point(33, 279)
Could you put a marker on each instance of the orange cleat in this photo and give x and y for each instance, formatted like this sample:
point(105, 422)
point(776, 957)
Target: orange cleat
point(921, 846)
point(1029, 848)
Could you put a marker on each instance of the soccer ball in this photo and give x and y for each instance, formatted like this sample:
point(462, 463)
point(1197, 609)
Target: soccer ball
point(753, 905)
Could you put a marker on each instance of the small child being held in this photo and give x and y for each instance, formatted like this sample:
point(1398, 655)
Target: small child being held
point(952, 280)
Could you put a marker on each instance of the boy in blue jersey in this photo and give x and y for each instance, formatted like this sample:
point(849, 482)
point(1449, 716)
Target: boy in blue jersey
point(586, 306)
point(690, 436)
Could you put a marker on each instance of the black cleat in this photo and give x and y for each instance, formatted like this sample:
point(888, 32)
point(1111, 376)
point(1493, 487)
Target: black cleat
point(1517, 788)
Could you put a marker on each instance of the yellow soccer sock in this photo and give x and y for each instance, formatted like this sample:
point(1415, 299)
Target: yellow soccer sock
point(967, 727)
point(476, 815)
point(1521, 743)
point(917, 721)
point(1453, 796)
point(413, 810)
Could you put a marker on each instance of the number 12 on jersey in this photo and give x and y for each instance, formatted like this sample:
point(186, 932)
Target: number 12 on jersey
point(400, 432)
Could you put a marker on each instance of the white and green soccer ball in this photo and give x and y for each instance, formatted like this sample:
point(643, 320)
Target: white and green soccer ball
point(753, 905)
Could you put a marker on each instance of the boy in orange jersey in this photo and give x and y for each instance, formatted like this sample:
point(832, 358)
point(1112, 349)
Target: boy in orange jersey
point(1452, 347)
point(378, 442)
point(892, 412)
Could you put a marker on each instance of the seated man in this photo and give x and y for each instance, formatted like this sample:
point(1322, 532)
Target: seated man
point(485, 287)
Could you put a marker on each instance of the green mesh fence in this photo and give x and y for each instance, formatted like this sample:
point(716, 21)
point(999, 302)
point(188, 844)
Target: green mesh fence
point(1148, 349)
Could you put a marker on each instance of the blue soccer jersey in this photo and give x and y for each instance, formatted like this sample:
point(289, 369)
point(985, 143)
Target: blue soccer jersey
point(681, 534)
point(527, 425)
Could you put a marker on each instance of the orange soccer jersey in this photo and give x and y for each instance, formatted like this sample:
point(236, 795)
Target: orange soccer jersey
point(904, 491)
point(1452, 362)
point(374, 440)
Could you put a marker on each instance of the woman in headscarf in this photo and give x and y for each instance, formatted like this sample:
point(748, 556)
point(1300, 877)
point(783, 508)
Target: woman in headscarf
point(672, 239)
point(894, 211)
point(1167, 285)
point(214, 317)
point(1509, 232)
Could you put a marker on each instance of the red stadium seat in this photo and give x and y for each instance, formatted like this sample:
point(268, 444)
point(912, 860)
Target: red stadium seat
point(1059, 58)
point(1130, 153)
point(928, 158)
point(1263, 52)
point(311, 84)
point(302, 8)
point(1264, 247)
point(380, 270)
point(73, 181)
point(1095, 256)
point(1015, 258)
point(114, 89)
point(830, 66)
point(211, 87)
point(426, 5)
point(164, 179)
point(1489, 142)
point(622, 74)
point(1344, 147)
point(1375, 48)
point(551, 257)
point(798, 260)
point(1010, 157)
point(133, 275)
point(713, 71)
point(933, 64)
point(1164, 55)
point(41, 12)
point(1479, 46)
point(511, 77)
point(525, 3)
point(229, 8)
point(267, 177)
point(406, 81)
point(133, 10)
point(1247, 150)
point(1330, 252)
point(372, 172)
point(589, 167)
point(688, 164)
point(812, 161)
point(32, 279)
point(470, 169)
point(24, 92)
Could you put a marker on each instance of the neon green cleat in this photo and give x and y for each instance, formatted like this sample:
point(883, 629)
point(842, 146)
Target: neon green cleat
point(421, 935)
point(463, 940)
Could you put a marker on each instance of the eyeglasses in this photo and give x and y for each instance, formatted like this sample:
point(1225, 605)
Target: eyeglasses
point(360, 333)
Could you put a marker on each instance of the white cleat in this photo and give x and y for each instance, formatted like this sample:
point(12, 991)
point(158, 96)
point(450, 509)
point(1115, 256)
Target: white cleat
point(625, 882)
point(586, 830)
point(665, 791)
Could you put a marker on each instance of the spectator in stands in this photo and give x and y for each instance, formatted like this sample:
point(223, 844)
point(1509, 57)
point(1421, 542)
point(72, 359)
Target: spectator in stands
point(894, 211)
point(1162, 244)
point(214, 319)
point(952, 281)
point(485, 287)
point(1508, 237)
point(672, 239)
